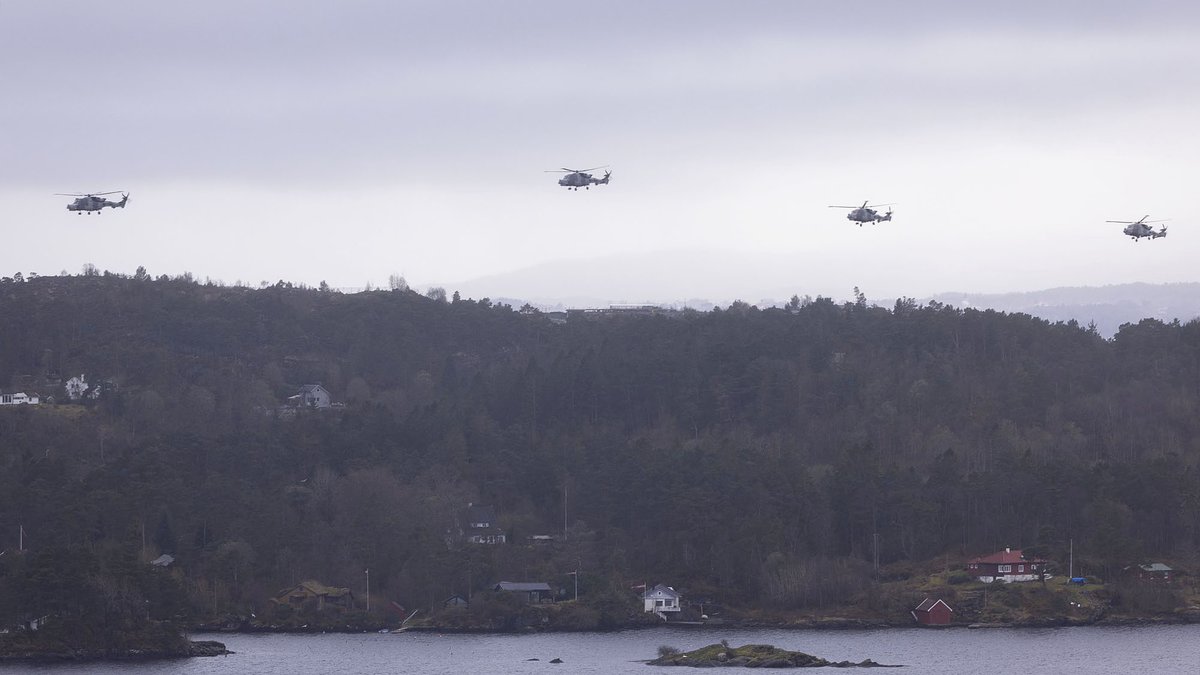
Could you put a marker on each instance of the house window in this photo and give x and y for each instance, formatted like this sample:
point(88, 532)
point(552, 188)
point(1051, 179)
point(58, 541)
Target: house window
point(1020, 568)
point(1005, 569)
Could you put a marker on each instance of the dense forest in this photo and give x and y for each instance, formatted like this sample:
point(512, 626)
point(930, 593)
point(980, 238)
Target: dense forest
point(771, 457)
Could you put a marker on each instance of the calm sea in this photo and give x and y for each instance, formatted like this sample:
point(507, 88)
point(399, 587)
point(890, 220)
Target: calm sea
point(1155, 649)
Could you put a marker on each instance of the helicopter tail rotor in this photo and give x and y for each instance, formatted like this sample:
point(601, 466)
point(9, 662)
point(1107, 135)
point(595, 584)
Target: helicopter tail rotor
point(607, 175)
point(124, 199)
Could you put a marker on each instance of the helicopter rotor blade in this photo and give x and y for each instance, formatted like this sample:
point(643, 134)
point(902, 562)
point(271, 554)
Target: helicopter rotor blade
point(593, 168)
point(69, 194)
point(842, 207)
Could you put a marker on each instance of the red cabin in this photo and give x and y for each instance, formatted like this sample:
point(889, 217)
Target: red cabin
point(1008, 565)
point(933, 612)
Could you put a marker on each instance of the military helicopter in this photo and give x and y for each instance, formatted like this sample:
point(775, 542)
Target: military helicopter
point(94, 201)
point(865, 213)
point(1141, 228)
point(580, 178)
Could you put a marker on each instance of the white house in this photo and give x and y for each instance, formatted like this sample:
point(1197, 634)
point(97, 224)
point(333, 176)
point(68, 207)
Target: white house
point(313, 396)
point(661, 599)
point(19, 398)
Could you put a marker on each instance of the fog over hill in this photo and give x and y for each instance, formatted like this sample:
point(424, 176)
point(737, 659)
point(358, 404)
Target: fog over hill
point(703, 278)
point(694, 277)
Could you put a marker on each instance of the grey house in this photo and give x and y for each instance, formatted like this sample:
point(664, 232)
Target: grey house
point(661, 599)
point(531, 592)
point(477, 525)
point(312, 396)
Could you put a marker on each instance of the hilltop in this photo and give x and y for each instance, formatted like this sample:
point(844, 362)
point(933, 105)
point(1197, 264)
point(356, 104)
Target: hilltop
point(755, 458)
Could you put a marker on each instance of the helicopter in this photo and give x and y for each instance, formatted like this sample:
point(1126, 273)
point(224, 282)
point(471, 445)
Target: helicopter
point(1137, 229)
point(865, 213)
point(580, 178)
point(86, 203)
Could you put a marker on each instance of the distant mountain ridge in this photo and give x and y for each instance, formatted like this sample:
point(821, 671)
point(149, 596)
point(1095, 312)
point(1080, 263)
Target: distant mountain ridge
point(593, 283)
point(704, 278)
point(1108, 307)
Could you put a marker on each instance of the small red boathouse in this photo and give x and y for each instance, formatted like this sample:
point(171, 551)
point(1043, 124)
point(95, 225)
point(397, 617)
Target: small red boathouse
point(933, 612)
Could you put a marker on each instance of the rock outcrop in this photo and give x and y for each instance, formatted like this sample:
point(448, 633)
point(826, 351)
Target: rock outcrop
point(755, 656)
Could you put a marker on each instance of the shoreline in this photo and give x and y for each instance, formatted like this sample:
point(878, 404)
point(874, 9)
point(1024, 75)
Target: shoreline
point(194, 649)
point(829, 624)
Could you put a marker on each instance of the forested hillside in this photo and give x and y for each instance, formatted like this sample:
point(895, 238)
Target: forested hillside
point(754, 456)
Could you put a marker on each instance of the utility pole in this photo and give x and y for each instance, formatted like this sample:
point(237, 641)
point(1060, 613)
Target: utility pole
point(368, 573)
point(576, 575)
point(1071, 568)
point(21, 545)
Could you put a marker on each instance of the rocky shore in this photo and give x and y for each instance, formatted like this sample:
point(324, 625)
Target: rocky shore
point(552, 624)
point(31, 647)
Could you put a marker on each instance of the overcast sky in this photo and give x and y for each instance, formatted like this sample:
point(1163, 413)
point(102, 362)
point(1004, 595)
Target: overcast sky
point(345, 141)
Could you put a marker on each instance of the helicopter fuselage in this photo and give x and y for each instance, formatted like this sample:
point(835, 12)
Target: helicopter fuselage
point(90, 203)
point(864, 215)
point(1138, 230)
point(579, 179)
point(576, 180)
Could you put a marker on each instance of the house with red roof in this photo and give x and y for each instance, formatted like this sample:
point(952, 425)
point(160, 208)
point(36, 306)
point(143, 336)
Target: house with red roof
point(1008, 565)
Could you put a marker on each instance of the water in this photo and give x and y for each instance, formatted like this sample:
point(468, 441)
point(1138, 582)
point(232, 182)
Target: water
point(1093, 650)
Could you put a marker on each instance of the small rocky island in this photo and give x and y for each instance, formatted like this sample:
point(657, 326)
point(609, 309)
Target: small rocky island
point(751, 656)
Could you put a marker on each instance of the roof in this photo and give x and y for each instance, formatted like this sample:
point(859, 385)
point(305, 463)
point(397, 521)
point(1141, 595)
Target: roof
point(1155, 567)
point(1005, 557)
point(929, 603)
point(304, 389)
point(163, 560)
point(316, 588)
point(522, 586)
point(664, 590)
